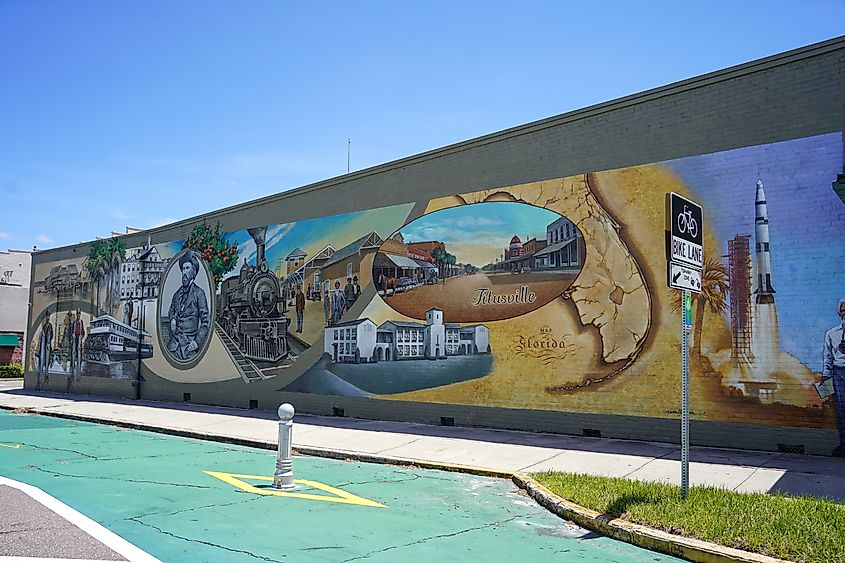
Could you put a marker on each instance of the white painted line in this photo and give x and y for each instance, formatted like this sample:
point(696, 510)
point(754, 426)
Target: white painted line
point(19, 559)
point(105, 536)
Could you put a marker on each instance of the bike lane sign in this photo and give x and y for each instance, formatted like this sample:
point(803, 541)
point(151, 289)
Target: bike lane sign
point(684, 231)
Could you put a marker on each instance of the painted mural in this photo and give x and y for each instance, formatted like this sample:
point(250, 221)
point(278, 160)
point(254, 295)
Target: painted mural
point(88, 312)
point(547, 295)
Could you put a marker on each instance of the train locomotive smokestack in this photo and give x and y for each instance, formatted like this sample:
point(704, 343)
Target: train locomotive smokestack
point(764, 292)
point(258, 234)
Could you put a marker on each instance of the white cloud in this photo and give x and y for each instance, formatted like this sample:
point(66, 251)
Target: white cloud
point(262, 165)
point(43, 239)
point(277, 233)
point(4, 235)
point(247, 250)
point(273, 165)
point(475, 222)
point(160, 222)
point(174, 164)
point(120, 214)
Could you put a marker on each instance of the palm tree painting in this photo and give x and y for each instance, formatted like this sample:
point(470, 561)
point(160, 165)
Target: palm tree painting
point(714, 296)
point(94, 266)
point(116, 255)
point(438, 255)
point(103, 261)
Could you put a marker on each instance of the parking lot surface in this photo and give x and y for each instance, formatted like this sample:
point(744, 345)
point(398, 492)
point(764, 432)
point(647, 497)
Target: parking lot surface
point(181, 499)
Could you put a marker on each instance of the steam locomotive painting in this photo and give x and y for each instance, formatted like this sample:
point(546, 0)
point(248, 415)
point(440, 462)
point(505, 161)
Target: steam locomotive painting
point(250, 311)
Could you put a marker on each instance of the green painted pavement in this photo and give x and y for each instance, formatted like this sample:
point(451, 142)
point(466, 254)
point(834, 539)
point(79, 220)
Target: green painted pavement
point(152, 490)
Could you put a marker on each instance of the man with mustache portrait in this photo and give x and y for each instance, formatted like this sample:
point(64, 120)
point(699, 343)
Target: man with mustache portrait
point(188, 313)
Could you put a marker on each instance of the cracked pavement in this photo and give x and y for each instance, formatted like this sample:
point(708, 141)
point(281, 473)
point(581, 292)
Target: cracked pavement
point(150, 489)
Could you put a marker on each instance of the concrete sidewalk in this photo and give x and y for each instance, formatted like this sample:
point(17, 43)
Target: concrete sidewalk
point(497, 450)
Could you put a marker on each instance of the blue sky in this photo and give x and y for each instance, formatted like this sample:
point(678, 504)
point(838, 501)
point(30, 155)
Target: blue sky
point(141, 113)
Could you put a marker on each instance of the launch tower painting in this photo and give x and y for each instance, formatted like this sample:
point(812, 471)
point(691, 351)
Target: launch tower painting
point(739, 268)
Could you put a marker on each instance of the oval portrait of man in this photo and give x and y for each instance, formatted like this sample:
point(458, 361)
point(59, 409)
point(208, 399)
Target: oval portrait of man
point(185, 310)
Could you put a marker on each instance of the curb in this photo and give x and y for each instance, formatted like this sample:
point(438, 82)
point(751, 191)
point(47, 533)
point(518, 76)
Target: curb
point(652, 539)
point(637, 534)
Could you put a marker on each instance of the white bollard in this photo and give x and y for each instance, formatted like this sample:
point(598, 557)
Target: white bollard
point(283, 477)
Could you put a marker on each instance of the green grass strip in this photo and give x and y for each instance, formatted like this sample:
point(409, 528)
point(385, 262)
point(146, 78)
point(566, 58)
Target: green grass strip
point(796, 528)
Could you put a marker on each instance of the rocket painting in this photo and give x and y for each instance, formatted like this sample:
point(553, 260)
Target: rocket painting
point(764, 292)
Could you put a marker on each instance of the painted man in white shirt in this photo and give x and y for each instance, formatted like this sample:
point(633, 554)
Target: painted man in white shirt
point(834, 366)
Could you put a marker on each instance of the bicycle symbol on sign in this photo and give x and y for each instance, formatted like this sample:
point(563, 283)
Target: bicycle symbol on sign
point(686, 222)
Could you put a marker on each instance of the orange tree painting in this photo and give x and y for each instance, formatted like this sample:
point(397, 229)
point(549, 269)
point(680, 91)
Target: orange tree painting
point(220, 256)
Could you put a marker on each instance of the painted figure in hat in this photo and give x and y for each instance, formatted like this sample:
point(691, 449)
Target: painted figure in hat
point(188, 313)
point(45, 344)
point(78, 332)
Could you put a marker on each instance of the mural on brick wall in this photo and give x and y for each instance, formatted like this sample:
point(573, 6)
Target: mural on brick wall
point(546, 295)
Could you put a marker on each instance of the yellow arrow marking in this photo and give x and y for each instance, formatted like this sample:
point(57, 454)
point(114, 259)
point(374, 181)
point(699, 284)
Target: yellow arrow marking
point(343, 497)
point(16, 446)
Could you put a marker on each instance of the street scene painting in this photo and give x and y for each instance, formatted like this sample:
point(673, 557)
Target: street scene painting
point(90, 312)
point(483, 262)
point(280, 285)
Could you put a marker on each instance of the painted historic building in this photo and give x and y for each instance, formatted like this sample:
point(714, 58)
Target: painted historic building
point(140, 274)
point(361, 340)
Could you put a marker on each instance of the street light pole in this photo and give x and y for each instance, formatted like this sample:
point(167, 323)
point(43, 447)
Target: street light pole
point(140, 330)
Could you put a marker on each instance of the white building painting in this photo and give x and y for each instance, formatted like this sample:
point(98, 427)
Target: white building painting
point(351, 341)
point(361, 341)
point(140, 273)
point(140, 279)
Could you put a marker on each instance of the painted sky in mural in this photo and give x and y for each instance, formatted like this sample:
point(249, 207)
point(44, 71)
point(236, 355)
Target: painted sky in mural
point(313, 235)
point(805, 226)
point(479, 234)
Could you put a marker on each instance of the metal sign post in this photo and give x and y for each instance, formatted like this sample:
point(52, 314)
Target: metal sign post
point(686, 328)
point(685, 260)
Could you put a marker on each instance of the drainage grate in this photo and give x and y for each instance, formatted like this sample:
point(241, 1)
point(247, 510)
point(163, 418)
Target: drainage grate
point(791, 448)
point(253, 403)
point(186, 397)
point(591, 432)
point(337, 411)
point(447, 421)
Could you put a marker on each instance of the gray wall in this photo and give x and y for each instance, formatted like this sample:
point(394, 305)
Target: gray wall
point(14, 290)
